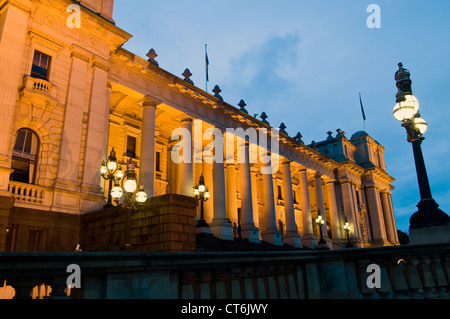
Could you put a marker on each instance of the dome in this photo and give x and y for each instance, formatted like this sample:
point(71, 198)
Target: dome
point(359, 134)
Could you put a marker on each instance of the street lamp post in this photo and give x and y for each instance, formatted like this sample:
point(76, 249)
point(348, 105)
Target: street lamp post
point(110, 170)
point(407, 111)
point(347, 229)
point(320, 222)
point(202, 194)
point(134, 196)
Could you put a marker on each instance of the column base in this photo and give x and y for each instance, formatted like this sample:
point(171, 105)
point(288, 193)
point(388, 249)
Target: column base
point(251, 233)
point(222, 229)
point(293, 239)
point(309, 240)
point(272, 236)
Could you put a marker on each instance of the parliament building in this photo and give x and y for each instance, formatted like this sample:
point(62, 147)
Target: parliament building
point(73, 99)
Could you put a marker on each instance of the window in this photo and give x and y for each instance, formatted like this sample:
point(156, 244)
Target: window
point(294, 195)
point(158, 161)
point(35, 239)
point(131, 146)
point(10, 238)
point(280, 195)
point(24, 156)
point(41, 64)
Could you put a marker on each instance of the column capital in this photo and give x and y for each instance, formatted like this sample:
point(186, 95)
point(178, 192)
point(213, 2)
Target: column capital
point(149, 101)
point(329, 181)
point(286, 162)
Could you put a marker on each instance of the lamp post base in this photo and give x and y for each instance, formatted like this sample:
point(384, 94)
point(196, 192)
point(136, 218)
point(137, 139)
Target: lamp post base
point(429, 224)
point(428, 215)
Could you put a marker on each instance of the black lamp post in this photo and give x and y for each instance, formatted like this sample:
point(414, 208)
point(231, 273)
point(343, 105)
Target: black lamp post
point(134, 196)
point(320, 222)
point(407, 111)
point(110, 170)
point(347, 229)
point(202, 194)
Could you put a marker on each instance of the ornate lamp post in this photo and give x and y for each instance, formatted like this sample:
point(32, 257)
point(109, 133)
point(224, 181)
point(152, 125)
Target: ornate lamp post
point(320, 222)
point(201, 193)
point(407, 111)
point(110, 170)
point(347, 229)
point(134, 197)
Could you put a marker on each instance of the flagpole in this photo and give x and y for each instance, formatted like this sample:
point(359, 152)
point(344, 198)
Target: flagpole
point(206, 67)
point(362, 111)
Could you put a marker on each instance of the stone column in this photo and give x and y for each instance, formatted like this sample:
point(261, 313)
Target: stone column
point(186, 170)
point(220, 226)
point(13, 30)
point(97, 132)
point(320, 203)
point(172, 171)
point(207, 171)
point(68, 182)
point(271, 234)
point(376, 216)
point(249, 230)
point(291, 237)
point(393, 218)
point(254, 171)
point(336, 223)
point(308, 238)
point(349, 209)
point(147, 160)
point(231, 193)
point(388, 218)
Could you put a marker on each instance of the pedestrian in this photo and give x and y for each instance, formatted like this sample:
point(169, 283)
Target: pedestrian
point(235, 230)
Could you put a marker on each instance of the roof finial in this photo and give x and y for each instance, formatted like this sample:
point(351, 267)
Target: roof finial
point(242, 105)
point(187, 75)
point(216, 91)
point(151, 57)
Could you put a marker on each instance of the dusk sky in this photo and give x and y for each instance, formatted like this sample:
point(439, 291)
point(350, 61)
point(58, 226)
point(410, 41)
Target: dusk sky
point(304, 63)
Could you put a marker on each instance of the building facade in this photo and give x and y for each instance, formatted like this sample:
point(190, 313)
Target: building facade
point(72, 94)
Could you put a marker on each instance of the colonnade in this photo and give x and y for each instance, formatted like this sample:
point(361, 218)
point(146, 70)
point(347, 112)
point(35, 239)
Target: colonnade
point(257, 216)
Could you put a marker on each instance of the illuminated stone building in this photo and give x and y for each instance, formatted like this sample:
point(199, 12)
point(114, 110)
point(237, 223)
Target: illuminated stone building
point(70, 95)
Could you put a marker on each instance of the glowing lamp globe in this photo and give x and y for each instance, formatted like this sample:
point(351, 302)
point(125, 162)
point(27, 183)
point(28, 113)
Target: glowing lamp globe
point(406, 110)
point(116, 192)
point(112, 166)
point(119, 173)
point(141, 196)
point(201, 188)
point(130, 185)
point(103, 169)
point(421, 125)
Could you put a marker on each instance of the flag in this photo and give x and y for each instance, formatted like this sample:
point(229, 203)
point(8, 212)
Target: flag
point(207, 64)
point(362, 107)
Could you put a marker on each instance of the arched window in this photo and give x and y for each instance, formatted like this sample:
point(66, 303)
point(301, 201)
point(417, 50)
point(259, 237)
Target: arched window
point(24, 156)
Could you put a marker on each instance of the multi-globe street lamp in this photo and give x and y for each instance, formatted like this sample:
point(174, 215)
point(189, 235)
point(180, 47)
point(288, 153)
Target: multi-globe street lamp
point(320, 222)
point(202, 194)
point(407, 111)
point(110, 170)
point(124, 182)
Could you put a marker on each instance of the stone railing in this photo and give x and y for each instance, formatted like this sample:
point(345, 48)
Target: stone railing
point(40, 86)
point(28, 193)
point(419, 271)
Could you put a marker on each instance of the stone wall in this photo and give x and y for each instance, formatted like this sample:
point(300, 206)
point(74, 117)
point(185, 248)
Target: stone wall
point(165, 223)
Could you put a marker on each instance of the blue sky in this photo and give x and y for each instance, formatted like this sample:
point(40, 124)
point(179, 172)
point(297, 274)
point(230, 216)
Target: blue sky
point(304, 63)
